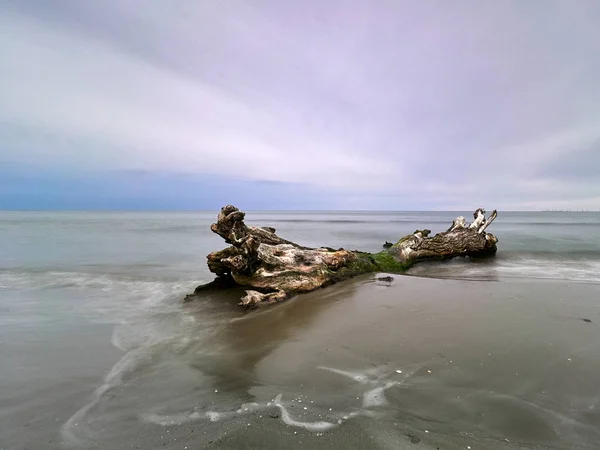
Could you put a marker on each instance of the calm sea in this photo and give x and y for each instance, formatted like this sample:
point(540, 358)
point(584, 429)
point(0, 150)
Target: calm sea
point(90, 301)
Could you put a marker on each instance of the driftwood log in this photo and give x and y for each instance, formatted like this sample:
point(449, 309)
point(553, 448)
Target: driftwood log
point(273, 269)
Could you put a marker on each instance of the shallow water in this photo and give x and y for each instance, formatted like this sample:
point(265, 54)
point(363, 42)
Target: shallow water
point(98, 351)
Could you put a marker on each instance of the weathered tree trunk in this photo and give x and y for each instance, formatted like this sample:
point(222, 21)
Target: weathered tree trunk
point(274, 269)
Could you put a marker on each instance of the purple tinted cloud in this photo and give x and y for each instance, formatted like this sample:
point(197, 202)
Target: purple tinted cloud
point(380, 102)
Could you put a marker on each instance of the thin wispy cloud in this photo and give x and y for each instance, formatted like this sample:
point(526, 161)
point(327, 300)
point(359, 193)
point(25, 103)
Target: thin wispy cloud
point(387, 104)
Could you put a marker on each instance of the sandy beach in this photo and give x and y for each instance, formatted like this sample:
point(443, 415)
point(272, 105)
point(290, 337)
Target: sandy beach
point(415, 363)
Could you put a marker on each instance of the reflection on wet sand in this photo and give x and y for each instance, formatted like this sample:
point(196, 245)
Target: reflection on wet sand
point(249, 337)
point(212, 337)
point(411, 361)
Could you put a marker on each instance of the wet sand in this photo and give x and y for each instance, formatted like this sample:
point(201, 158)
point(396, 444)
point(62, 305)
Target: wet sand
point(45, 375)
point(483, 365)
point(415, 363)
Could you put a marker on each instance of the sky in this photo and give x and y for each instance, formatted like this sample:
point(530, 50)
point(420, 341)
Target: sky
point(312, 104)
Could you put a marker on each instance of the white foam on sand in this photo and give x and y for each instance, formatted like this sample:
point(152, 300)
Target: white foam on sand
point(376, 396)
point(127, 365)
point(167, 420)
point(372, 397)
point(360, 377)
point(176, 419)
point(310, 426)
point(213, 416)
point(134, 360)
point(152, 324)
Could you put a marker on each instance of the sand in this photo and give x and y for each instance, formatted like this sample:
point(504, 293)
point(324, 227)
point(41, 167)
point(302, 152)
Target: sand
point(416, 363)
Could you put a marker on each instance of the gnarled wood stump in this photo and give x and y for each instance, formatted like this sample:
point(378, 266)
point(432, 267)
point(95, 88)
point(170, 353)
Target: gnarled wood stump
point(274, 269)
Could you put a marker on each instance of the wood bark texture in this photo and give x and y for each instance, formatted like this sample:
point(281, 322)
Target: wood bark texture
point(273, 269)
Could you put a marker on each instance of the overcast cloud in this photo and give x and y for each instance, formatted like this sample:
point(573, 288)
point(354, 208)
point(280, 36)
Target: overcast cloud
point(311, 104)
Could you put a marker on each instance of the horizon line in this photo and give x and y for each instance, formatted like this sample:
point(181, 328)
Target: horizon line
point(118, 210)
